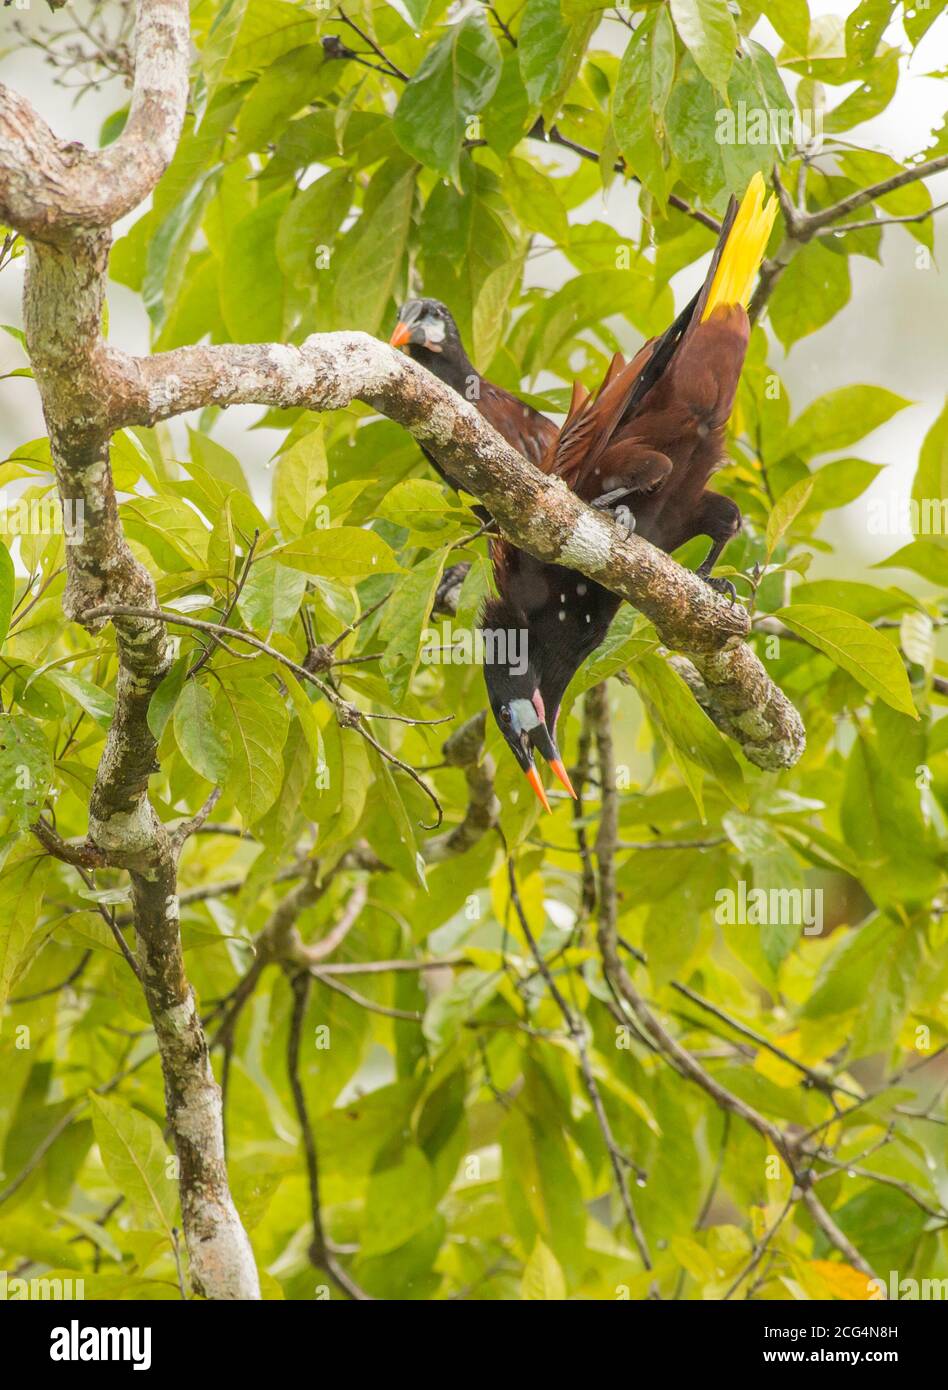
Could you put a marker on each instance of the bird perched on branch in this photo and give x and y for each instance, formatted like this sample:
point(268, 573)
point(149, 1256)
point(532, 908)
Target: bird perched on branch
point(644, 447)
point(428, 332)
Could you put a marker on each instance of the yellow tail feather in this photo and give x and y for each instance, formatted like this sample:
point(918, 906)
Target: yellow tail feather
point(744, 251)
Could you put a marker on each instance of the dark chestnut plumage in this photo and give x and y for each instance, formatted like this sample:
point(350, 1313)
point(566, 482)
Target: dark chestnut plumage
point(648, 441)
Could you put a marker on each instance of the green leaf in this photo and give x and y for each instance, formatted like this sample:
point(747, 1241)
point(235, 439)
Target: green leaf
point(840, 418)
point(368, 258)
point(200, 743)
point(271, 596)
point(489, 319)
point(785, 512)
point(865, 27)
point(169, 248)
point(812, 290)
point(169, 530)
point(881, 813)
point(866, 654)
point(550, 50)
point(405, 616)
point(311, 222)
point(931, 477)
point(838, 483)
point(398, 1203)
point(300, 482)
point(97, 703)
point(643, 86)
point(7, 587)
point(534, 199)
point(251, 283)
point(927, 557)
point(686, 728)
point(508, 113)
point(161, 706)
point(707, 31)
point(791, 19)
point(391, 834)
point(844, 978)
point(252, 720)
point(281, 90)
point(137, 1160)
point(22, 887)
point(918, 17)
point(26, 768)
point(456, 79)
point(35, 1242)
point(341, 552)
point(879, 80)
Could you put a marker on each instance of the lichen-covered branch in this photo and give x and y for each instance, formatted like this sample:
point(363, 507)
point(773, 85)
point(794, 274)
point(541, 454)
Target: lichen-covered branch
point(539, 513)
point(51, 187)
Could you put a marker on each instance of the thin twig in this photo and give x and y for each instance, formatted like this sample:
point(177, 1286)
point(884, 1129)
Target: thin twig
point(578, 1034)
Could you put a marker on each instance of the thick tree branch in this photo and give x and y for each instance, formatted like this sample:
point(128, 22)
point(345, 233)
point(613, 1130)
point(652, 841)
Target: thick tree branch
point(539, 513)
point(49, 186)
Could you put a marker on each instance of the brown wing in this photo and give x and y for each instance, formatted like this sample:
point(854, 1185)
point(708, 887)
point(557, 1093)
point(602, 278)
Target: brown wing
point(587, 431)
point(524, 428)
point(606, 444)
point(684, 417)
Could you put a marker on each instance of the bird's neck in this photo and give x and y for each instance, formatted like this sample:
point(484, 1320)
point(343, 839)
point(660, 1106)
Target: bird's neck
point(452, 366)
point(558, 646)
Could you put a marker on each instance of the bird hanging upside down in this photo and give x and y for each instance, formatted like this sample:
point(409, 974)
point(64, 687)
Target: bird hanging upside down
point(643, 447)
point(648, 442)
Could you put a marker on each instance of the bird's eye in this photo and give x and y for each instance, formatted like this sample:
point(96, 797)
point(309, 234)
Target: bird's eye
point(504, 715)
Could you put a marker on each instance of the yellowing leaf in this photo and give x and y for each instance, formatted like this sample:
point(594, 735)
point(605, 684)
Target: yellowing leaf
point(542, 1277)
point(842, 1280)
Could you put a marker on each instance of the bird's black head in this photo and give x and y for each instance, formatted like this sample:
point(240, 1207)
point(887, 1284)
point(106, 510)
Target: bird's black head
point(428, 333)
point(425, 323)
point(515, 697)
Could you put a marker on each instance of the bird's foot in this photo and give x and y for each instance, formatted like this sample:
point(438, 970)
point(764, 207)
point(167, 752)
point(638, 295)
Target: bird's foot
point(608, 500)
point(621, 514)
point(449, 590)
point(625, 521)
point(719, 585)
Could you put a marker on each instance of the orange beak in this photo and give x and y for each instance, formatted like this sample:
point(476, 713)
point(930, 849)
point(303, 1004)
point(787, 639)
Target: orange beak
point(559, 771)
point(533, 777)
point(401, 335)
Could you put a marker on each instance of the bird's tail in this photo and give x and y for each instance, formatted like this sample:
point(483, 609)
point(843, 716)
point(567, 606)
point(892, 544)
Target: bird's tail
point(742, 251)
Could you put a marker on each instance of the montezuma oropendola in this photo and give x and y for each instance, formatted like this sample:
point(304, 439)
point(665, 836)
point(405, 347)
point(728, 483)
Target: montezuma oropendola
point(653, 434)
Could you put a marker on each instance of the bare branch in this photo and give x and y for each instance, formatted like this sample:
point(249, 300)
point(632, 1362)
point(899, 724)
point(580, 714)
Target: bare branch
point(881, 221)
point(577, 1033)
point(673, 1052)
point(815, 220)
point(834, 1235)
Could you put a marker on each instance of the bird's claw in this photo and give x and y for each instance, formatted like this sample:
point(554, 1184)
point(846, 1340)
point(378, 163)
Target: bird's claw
point(607, 500)
point(625, 521)
point(720, 586)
